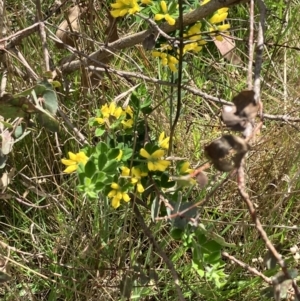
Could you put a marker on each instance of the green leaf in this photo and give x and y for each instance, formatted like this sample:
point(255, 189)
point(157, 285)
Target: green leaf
point(165, 183)
point(99, 132)
point(113, 153)
point(102, 148)
point(111, 167)
point(50, 101)
point(177, 233)
point(135, 101)
point(99, 177)
point(90, 169)
point(49, 122)
point(102, 159)
point(127, 153)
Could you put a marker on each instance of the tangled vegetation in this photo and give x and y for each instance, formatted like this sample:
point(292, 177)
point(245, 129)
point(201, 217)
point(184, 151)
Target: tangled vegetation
point(149, 150)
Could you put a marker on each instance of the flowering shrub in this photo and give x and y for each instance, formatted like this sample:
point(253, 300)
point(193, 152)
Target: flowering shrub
point(121, 167)
point(127, 164)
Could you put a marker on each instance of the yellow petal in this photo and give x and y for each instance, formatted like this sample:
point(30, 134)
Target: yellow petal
point(158, 17)
point(119, 195)
point(156, 53)
point(125, 171)
point(134, 180)
point(163, 5)
point(81, 157)
point(161, 136)
point(217, 18)
point(133, 10)
point(129, 111)
point(184, 167)
point(222, 10)
point(117, 113)
point(158, 154)
point(151, 166)
point(112, 193)
point(126, 197)
point(72, 156)
point(127, 123)
point(223, 27)
point(100, 120)
point(119, 157)
point(162, 165)
point(115, 202)
point(117, 5)
point(140, 188)
point(68, 162)
point(170, 20)
point(219, 38)
point(71, 168)
point(115, 186)
point(144, 153)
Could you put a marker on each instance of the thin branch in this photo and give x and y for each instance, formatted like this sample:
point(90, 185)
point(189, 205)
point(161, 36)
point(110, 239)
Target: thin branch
point(179, 79)
point(250, 63)
point(43, 35)
point(259, 50)
point(248, 268)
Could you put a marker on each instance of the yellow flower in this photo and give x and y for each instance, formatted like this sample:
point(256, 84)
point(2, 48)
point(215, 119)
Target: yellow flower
point(154, 161)
point(100, 120)
point(166, 60)
point(164, 14)
point(108, 111)
point(127, 123)
point(137, 174)
point(111, 110)
point(125, 171)
point(204, 2)
point(223, 27)
point(74, 160)
point(219, 16)
point(123, 7)
point(116, 194)
point(185, 168)
point(194, 34)
point(163, 142)
point(129, 111)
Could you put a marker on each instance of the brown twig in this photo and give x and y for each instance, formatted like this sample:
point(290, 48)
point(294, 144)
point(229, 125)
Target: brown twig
point(250, 63)
point(247, 267)
point(259, 50)
point(43, 34)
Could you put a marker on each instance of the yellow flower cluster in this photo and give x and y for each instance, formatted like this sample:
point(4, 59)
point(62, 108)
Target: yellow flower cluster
point(118, 193)
point(123, 7)
point(73, 161)
point(194, 34)
point(219, 16)
point(116, 112)
point(164, 14)
point(167, 59)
